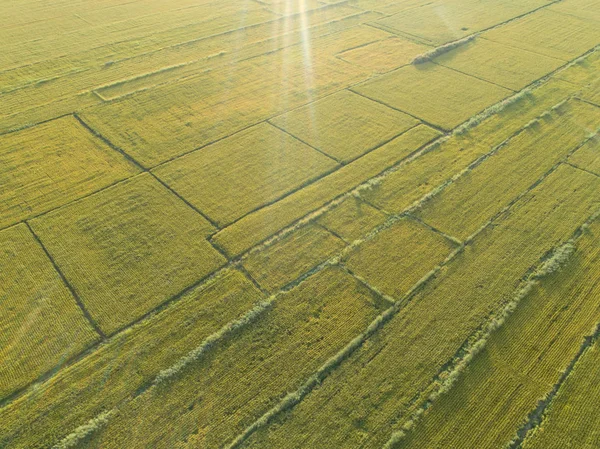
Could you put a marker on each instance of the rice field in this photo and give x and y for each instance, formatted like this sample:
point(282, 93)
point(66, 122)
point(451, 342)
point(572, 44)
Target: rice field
point(300, 224)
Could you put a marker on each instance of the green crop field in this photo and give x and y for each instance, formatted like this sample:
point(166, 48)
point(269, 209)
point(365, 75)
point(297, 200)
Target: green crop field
point(278, 224)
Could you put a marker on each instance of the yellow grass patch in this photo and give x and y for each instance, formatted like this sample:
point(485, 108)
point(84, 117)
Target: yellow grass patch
point(394, 370)
point(241, 378)
point(481, 193)
point(412, 181)
point(255, 228)
point(521, 362)
point(440, 22)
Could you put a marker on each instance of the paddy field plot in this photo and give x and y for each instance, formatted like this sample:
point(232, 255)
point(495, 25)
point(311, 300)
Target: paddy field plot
point(433, 93)
point(299, 224)
point(136, 234)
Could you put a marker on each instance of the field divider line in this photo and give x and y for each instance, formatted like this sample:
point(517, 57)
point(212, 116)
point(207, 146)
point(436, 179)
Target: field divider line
point(335, 234)
point(582, 169)
point(312, 180)
point(385, 299)
point(333, 158)
point(537, 415)
point(433, 229)
point(33, 125)
point(296, 397)
point(142, 168)
point(298, 223)
point(431, 125)
point(550, 262)
point(295, 225)
point(476, 77)
point(108, 142)
point(583, 100)
point(67, 284)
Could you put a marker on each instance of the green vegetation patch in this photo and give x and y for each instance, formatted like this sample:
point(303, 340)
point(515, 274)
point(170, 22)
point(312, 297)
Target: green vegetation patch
point(481, 193)
point(588, 156)
point(126, 365)
point(440, 22)
point(292, 256)
point(239, 174)
point(164, 122)
point(434, 93)
point(371, 393)
point(509, 67)
point(569, 38)
point(52, 164)
point(239, 379)
point(584, 9)
point(41, 325)
point(128, 249)
point(257, 227)
point(345, 125)
point(352, 219)
point(397, 257)
point(521, 362)
point(421, 176)
point(384, 55)
point(572, 419)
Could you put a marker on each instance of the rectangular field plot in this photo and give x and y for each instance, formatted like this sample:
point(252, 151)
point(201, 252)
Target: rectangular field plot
point(345, 125)
point(509, 67)
point(129, 248)
point(521, 362)
point(571, 419)
point(584, 71)
point(243, 172)
point(549, 33)
point(52, 164)
point(255, 228)
point(294, 255)
point(412, 181)
point(125, 365)
point(159, 124)
point(584, 9)
point(481, 193)
point(385, 55)
point(41, 324)
point(441, 22)
point(588, 156)
point(352, 219)
point(433, 93)
point(592, 93)
point(377, 385)
point(241, 377)
point(397, 257)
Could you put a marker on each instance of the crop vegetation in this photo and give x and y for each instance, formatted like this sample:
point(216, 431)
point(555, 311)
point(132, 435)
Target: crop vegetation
point(299, 224)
